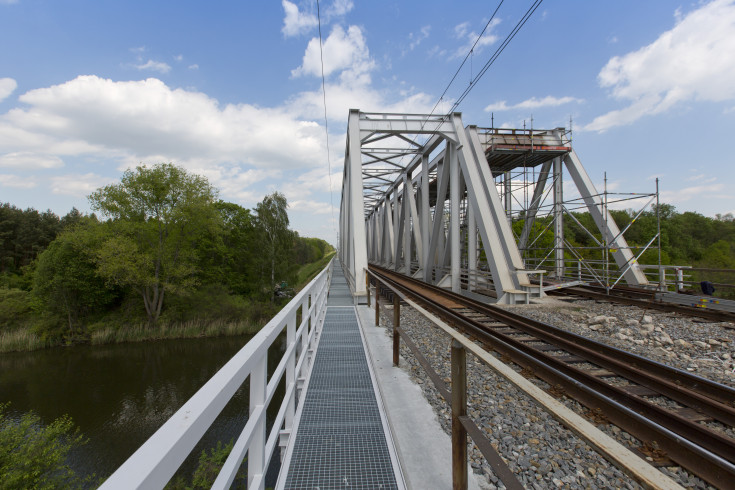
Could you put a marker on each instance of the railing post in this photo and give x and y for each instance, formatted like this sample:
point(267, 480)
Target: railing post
point(367, 287)
point(377, 305)
point(679, 279)
point(256, 451)
point(459, 408)
point(313, 323)
point(290, 381)
point(396, 324)
point(304, 345)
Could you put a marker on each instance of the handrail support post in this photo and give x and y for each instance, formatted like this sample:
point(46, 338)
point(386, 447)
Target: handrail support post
point(459, 408)
point(377, 305)
point(396, 325)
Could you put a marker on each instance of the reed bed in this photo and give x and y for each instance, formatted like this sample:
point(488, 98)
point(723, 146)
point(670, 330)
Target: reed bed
point(186, 330)
point(21, 340)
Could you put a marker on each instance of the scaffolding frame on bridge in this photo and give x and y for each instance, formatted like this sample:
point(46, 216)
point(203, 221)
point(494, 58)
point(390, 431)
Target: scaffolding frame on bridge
point(532, 197)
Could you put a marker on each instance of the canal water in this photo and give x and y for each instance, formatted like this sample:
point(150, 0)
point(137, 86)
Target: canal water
point(119, 395)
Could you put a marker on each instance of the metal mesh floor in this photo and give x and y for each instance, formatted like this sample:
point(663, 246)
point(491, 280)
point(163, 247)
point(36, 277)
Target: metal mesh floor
point(339, 289)
point(340, 441)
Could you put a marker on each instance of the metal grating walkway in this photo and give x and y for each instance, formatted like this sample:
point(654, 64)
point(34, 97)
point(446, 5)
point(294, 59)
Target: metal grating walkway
point(340, 439)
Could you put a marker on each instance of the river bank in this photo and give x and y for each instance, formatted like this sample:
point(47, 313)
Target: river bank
point(250, 317)
point(120, 394)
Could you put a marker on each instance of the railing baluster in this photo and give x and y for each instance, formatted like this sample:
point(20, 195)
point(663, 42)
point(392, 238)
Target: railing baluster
point(256, 453)
point(153, 464)
point(290, 381)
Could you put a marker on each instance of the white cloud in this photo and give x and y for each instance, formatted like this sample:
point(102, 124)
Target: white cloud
point(296, 22)
point(339, 8)
point(312, 207)
point(342, 50)
point(179, 57)
point(317, 180)
point(462, 31)
point(532, 103)
point(688, 193)
point(142, 118)
point(7, 87)
point(8, 2)
point(17, 181)
point(418, 37)
point(194, 67)
point(158, 66)
point(77, 185)
point(694, 61)
point(29, 161)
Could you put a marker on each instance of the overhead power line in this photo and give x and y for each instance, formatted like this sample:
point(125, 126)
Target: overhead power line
point(326, 123)
point(469, 53)
point(497, 53)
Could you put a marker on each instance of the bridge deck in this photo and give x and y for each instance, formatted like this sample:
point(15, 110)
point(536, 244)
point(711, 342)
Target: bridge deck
point(341, 437)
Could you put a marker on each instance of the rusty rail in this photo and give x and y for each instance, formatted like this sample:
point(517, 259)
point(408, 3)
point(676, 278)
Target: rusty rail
point(462, 425)
point(706, 453)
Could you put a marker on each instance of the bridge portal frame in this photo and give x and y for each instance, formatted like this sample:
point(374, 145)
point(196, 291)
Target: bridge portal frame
point(386, 214)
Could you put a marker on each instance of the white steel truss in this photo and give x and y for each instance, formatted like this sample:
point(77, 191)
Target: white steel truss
point(419, 197)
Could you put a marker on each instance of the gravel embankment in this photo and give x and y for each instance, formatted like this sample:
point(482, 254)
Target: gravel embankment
point(540, 451)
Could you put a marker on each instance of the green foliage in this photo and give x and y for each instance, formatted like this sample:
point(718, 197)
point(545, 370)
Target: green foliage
point(209, 465)
point(158, 215)
point(66, 283)
point(208, 301)
point(34, 456)
point(217, 264)
point(231, 257)
point(272, 227)
point(309, 271)
point(15, 308)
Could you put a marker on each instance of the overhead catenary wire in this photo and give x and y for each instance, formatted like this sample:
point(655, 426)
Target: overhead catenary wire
point(326, 123)
point(469, 53)
point(497, 53)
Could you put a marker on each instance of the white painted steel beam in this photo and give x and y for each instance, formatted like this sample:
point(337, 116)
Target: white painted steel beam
point(399, 216)
point(622, 254)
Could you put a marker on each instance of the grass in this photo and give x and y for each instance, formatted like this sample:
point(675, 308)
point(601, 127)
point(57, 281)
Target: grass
point(310, 271)
point(187, 330)
point(21, 340)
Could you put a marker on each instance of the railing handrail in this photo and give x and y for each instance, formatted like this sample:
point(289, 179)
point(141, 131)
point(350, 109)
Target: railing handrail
point(158, 459)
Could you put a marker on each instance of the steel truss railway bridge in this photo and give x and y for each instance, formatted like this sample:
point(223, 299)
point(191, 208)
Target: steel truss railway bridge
point(420, 196)
point(424, 196)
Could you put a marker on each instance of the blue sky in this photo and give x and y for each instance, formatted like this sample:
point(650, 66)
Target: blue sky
point(232, 90)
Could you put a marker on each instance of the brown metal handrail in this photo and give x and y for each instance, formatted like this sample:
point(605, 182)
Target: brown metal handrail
point(462, 425)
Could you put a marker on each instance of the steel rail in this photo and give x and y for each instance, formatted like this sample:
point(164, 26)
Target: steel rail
point(588, 292)
point(704, 452)
point(681, 379)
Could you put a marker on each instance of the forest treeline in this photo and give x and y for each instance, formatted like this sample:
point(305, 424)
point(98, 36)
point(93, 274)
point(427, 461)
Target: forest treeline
point(160, 248)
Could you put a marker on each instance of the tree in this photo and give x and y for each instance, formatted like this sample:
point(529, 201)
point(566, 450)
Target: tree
point(66, 281)
point(157, 216)
point(34, 456)
point(272, 224)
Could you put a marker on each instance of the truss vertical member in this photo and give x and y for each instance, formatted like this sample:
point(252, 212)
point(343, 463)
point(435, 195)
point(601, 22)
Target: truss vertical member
point(419, 197)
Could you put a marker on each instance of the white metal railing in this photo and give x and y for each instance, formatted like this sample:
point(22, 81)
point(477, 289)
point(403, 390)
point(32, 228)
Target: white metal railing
point(156, 461)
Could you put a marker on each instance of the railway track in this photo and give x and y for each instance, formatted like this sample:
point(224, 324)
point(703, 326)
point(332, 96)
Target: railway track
point(677, 416)
point(643, 299)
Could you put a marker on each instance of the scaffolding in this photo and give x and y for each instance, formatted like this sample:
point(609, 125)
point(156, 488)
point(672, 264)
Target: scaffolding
point(531, 169)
